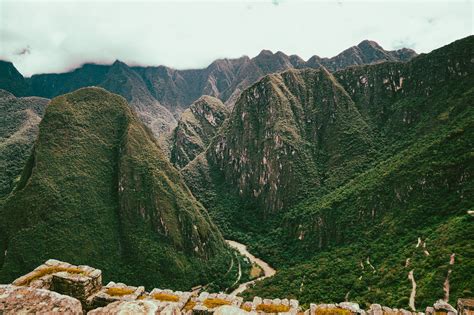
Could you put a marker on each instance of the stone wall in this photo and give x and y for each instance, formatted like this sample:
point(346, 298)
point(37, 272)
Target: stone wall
point(59, 287)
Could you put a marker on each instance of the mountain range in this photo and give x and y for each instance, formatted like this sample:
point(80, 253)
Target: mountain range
point(334, 177)
point(160, 94)
point(350, 175)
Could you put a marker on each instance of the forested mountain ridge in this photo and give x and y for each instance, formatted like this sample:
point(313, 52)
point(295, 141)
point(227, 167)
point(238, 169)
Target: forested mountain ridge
point(97, 187)
point(314, 167)
point(19, 119)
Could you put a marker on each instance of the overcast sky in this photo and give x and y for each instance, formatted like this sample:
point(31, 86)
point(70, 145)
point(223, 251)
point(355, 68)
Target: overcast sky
point(51, 36)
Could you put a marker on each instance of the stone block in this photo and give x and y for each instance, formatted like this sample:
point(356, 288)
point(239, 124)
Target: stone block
point(138, 307)
point(207, 303)
point(113, 292)
point(28, 300)
point(79, 282)
point(167, 297)
point(466, 306)
point(270, 306)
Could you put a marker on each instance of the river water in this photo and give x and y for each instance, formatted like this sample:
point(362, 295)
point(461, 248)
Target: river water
point(267, 270)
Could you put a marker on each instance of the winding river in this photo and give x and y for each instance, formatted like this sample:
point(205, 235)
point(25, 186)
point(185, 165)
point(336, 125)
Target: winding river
point(267, 270)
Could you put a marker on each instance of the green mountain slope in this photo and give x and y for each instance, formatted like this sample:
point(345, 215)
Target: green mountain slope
point(196, 127)
point(422, 192)
point(325, 174)
point(19, 119)
point(12, 81)
point(122, 80)
point(98, 190)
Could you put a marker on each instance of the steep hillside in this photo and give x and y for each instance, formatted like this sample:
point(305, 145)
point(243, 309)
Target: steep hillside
point(196, 128)
point(328, 175)
point(281, 142)
point(12, 81)
point(98, 188)
point(124, 81)
point(19, 119)
point(117, 78)
point(408, 214)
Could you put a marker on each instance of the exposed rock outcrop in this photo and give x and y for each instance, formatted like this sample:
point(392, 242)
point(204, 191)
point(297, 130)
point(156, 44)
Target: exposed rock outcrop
point(196, 127)
point(29, 300)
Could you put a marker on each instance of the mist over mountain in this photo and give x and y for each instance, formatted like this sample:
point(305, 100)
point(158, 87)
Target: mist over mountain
point(160, 94)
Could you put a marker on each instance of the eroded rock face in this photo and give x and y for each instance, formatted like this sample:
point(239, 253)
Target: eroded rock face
point(14, 300)
point(196, 127)
point(136, 307)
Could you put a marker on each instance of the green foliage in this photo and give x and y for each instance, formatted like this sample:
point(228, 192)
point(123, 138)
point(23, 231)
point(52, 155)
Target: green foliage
point(392, 163)
point(97, 190)
point(19, 119)
point(196, 127)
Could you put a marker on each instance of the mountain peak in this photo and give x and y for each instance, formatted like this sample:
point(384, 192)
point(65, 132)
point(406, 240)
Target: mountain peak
point(369, 43)
point(118, 63)
point(265, 52)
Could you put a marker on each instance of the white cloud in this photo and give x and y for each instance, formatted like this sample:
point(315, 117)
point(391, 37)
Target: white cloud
point(60, 35)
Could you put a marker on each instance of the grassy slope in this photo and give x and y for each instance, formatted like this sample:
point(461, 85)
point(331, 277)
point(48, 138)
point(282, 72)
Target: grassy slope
point(98, 191)
point(19, 119)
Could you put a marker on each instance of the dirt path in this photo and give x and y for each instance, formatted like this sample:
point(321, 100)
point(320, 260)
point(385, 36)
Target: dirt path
point(267, 270)
point(411, 277)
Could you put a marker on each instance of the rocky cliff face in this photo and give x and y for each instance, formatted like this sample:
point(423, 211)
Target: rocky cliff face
point(19, 119)
point(196, 128)
point(124, 81)
point(289, 134)
point(97, 187)
point(117, 78)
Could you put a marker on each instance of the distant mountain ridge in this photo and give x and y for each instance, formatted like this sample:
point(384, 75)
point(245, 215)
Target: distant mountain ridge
point(160, 92)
